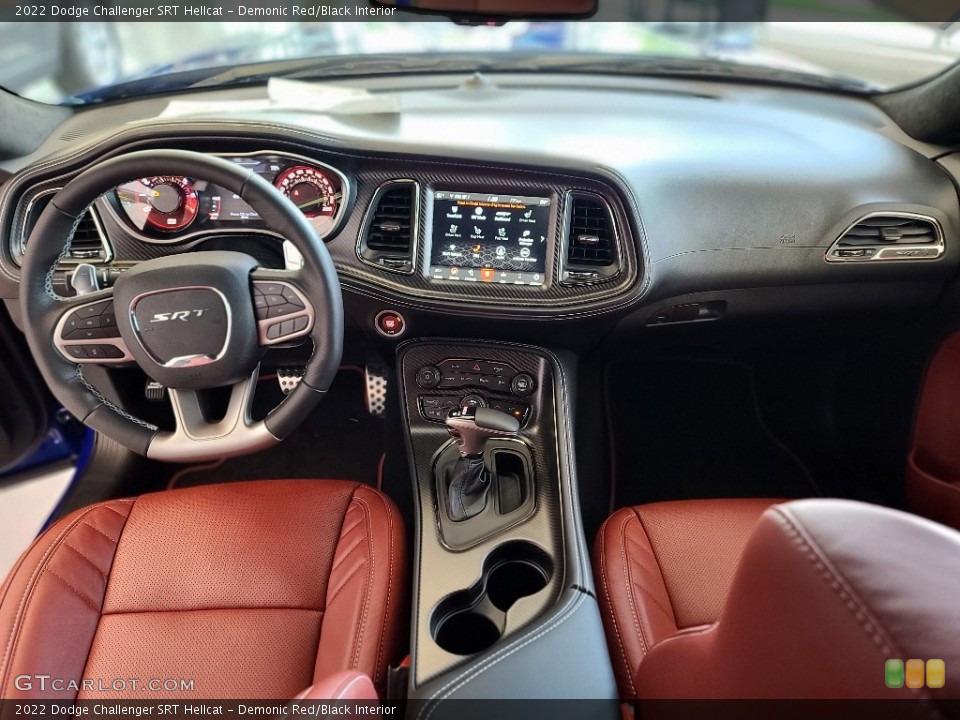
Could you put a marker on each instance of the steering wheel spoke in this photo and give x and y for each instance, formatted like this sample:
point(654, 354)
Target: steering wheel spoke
point(282, 308)
point(87, 331)
point(198, 437)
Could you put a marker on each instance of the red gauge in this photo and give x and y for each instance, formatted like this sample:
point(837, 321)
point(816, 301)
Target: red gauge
point(311, 189)
point(166, 202)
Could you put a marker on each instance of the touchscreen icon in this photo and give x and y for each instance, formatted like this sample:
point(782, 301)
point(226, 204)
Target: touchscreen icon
point(526, 233)
point(478, 211)
point(525, 252)
point(453, 229)
point(528, 214)
point(487, 274)
point(501, 251)
point(477, 231)
point(476, 248)
point(455, 209)
point(502, 232)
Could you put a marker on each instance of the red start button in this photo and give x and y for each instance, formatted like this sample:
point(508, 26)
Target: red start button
point(390, 324)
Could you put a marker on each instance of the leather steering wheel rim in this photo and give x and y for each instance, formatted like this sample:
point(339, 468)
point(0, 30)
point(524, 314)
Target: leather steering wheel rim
point(43, 309)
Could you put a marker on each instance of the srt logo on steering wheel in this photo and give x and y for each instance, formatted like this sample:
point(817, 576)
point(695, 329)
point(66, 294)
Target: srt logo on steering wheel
point(182, 315)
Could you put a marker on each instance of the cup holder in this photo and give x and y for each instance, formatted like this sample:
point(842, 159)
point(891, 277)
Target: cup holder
point(469, 621)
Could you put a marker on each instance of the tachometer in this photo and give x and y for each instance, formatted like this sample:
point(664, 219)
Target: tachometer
point(166, 202)
point(316, 193)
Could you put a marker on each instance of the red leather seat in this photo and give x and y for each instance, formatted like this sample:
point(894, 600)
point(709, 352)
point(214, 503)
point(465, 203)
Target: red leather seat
point(250, 590)
point(751, 599)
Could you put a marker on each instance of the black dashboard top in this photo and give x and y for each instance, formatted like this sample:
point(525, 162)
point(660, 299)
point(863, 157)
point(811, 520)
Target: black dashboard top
point(637, 190)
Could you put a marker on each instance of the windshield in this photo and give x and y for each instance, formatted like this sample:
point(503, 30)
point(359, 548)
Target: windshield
point(58, 62)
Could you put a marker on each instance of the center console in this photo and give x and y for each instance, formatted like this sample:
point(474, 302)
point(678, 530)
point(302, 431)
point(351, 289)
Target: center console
point(503, 601)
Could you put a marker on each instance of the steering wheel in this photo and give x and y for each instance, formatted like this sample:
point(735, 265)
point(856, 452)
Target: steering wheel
point(191, 321)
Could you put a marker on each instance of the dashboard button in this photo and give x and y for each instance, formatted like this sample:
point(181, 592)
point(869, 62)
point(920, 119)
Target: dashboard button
point(429, 377)
point(522, 385)
point(390, 324)
point(497, 369)
point(452, 366)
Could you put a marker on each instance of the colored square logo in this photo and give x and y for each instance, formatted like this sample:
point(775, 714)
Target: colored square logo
point(936, 673)
point(894, 673)
point(915, 673)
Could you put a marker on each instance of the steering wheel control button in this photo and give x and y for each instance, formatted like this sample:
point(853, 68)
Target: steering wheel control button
point(522, 385)
point(428, 377)
point(274, 300)
point(90, 322)
point(390, 324)
point(77, 352)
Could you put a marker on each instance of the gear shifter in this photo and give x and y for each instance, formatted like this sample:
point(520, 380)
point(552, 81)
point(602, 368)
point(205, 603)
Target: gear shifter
point(470, 478)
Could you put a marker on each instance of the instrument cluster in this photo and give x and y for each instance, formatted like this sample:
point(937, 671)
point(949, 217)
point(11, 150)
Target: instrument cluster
point(169, 208)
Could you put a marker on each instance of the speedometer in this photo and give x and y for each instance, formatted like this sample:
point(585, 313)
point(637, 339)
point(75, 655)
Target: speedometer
point(316, 193)
point(166, 202)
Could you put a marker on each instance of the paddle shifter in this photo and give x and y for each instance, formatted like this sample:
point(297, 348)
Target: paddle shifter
point(470, 478)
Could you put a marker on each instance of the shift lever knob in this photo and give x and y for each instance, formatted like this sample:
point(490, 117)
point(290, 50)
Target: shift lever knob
point(473, 426)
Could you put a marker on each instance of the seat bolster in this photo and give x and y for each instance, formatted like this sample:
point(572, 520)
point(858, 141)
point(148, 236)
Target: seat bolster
point(346, 685)
point(365, 606)
point(825, 593)
point(52, 600)
point(636, 608)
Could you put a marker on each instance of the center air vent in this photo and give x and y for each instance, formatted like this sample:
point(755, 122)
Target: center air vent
point(388, 238)
point(89, 244)
point(889, 236)
point(590, 241)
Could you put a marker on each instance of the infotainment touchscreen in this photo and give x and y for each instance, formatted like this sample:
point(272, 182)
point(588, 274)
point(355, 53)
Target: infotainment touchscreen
point(489, 238)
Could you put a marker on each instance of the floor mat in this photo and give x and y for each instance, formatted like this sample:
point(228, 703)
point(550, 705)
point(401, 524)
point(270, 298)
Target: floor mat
point(691, 429)
point(339, 440)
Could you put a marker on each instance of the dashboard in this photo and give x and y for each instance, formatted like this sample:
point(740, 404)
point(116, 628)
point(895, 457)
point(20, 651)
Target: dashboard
point(680, 202)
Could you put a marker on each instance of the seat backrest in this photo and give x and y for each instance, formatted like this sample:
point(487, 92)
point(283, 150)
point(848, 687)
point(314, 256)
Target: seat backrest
point(826, 592)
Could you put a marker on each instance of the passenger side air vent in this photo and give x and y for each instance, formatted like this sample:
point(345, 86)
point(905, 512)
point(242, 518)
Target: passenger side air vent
point(590, 240)
point(388, 237)
point(89, 244)
point(889, 236)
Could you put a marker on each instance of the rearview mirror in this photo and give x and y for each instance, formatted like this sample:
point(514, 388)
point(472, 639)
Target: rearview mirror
point(496, 9)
